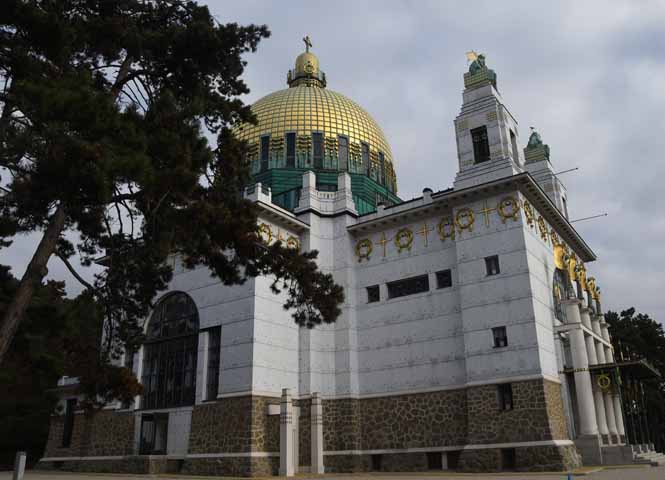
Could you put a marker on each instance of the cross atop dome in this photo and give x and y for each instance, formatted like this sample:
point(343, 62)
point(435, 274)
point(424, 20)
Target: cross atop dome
point(306, 71)
point(308, 43)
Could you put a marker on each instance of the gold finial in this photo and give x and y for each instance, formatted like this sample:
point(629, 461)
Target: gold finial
point(471, 56)
point(308, 43)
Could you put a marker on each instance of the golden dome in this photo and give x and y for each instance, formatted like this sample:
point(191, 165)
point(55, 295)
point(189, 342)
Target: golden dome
point(308, 127)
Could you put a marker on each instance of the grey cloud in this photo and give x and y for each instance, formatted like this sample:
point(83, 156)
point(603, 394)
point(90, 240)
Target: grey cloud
point(587, 74)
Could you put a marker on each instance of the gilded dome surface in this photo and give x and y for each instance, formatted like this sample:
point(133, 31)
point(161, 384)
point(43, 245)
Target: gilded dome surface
point(351, 140)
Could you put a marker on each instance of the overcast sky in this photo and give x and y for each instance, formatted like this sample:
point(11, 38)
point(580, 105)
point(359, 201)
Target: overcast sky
point(590, 76)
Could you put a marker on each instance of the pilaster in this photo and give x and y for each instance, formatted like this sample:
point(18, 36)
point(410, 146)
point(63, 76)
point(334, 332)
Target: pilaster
point(316, 415)
point(286, 460)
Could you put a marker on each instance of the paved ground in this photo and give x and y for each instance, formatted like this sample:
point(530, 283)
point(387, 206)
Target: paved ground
point(627, 473)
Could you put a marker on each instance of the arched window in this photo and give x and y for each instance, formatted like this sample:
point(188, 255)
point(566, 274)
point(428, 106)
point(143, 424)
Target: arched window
point(169, 358)
point(560, 292)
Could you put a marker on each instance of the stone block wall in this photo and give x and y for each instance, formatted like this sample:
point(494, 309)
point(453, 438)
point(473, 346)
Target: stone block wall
point(414, 421)
point(537, 414)
point(105, 433)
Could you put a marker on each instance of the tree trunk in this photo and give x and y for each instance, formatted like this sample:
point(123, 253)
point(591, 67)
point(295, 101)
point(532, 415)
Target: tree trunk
point(32, 277)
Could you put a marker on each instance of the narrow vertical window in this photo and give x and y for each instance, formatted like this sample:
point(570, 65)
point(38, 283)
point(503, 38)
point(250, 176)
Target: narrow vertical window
point(291, 149)
point(505, 393)
point(373, 294)
point(129, 365)
point(365, 157)
point(481, 146)
point(343, 153)
point(382, 168)
point(265, 152)
point(513, 143)
point(68, 427)
point(444, 279)
point(317, 149)
point(500, 337)
point(214, 342)
point(492, 265)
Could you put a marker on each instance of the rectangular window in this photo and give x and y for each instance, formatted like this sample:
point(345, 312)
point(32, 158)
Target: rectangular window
point(382, 168)
point(492, 265)
point(364, 149)
point(444, 279)
point(513, 143)
point(214, 342)
point(343, 153)
point(434, 460)
point(505, 393)
point(373, 294)
point(154, 431)
point(507, 459)
point(500, 337)
point(291, 149)
point(129, 365)
point(376, 462)
point(68, 427)
point(317, 149)
point(481, 146)
point(265, 152)
point(408, 286)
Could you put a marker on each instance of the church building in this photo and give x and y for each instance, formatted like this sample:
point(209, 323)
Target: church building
point(471, 336)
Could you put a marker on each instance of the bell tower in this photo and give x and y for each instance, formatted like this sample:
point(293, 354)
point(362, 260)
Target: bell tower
point(487, 138)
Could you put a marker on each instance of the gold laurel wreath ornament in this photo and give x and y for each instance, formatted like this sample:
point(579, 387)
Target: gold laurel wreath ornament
point(403, 239)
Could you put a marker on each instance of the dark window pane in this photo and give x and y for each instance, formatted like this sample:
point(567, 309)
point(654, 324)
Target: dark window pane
point(505, 393)
point(382, 168)
point(500, 337)
point(513, 144)
point(169, 373)
point(343, 153)
point(408, 286)
point(492, 265)
point(365, 157)
point(265, 152)
point(68, 427)
point(481, 146)
point(444, 279)
point(317, 149)
point(290, 149)
point(373, 294)
point(214, 340)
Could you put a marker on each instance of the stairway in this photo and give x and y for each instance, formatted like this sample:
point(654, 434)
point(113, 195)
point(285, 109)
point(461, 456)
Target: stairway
point(651, 457)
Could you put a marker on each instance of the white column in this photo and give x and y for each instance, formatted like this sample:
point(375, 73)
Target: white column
point(595, 325)
point(603, 328)
point(585, 318)
point(600, 351)
point(611, 417)
point(317, 434)
point(202, 367)
point(584, 392)
point(286, 467)
point(616, 399)
point(601, 417)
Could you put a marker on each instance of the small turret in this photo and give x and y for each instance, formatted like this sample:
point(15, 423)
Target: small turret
point(306, 71)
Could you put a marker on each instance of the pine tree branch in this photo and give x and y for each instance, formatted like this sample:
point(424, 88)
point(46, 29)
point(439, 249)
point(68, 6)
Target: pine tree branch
point(76, 275)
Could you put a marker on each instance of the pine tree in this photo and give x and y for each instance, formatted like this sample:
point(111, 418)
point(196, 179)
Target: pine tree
point(105, 107)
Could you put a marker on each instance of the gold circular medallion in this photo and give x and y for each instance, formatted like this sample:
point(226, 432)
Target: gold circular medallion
point(293, 242)
point(265, 232)
point(403, 239)
point(464, 219)
point(446, 228)
point(604, 381)
point(508, 208)
point(363, 249)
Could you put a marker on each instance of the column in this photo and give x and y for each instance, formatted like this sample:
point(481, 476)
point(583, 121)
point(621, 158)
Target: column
point(286, 467)
point(585, 318)
point(584, 392)
point(604, 332)
point(601, 416)
point(616, 400)
point(595, 325)
point(317, 434)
